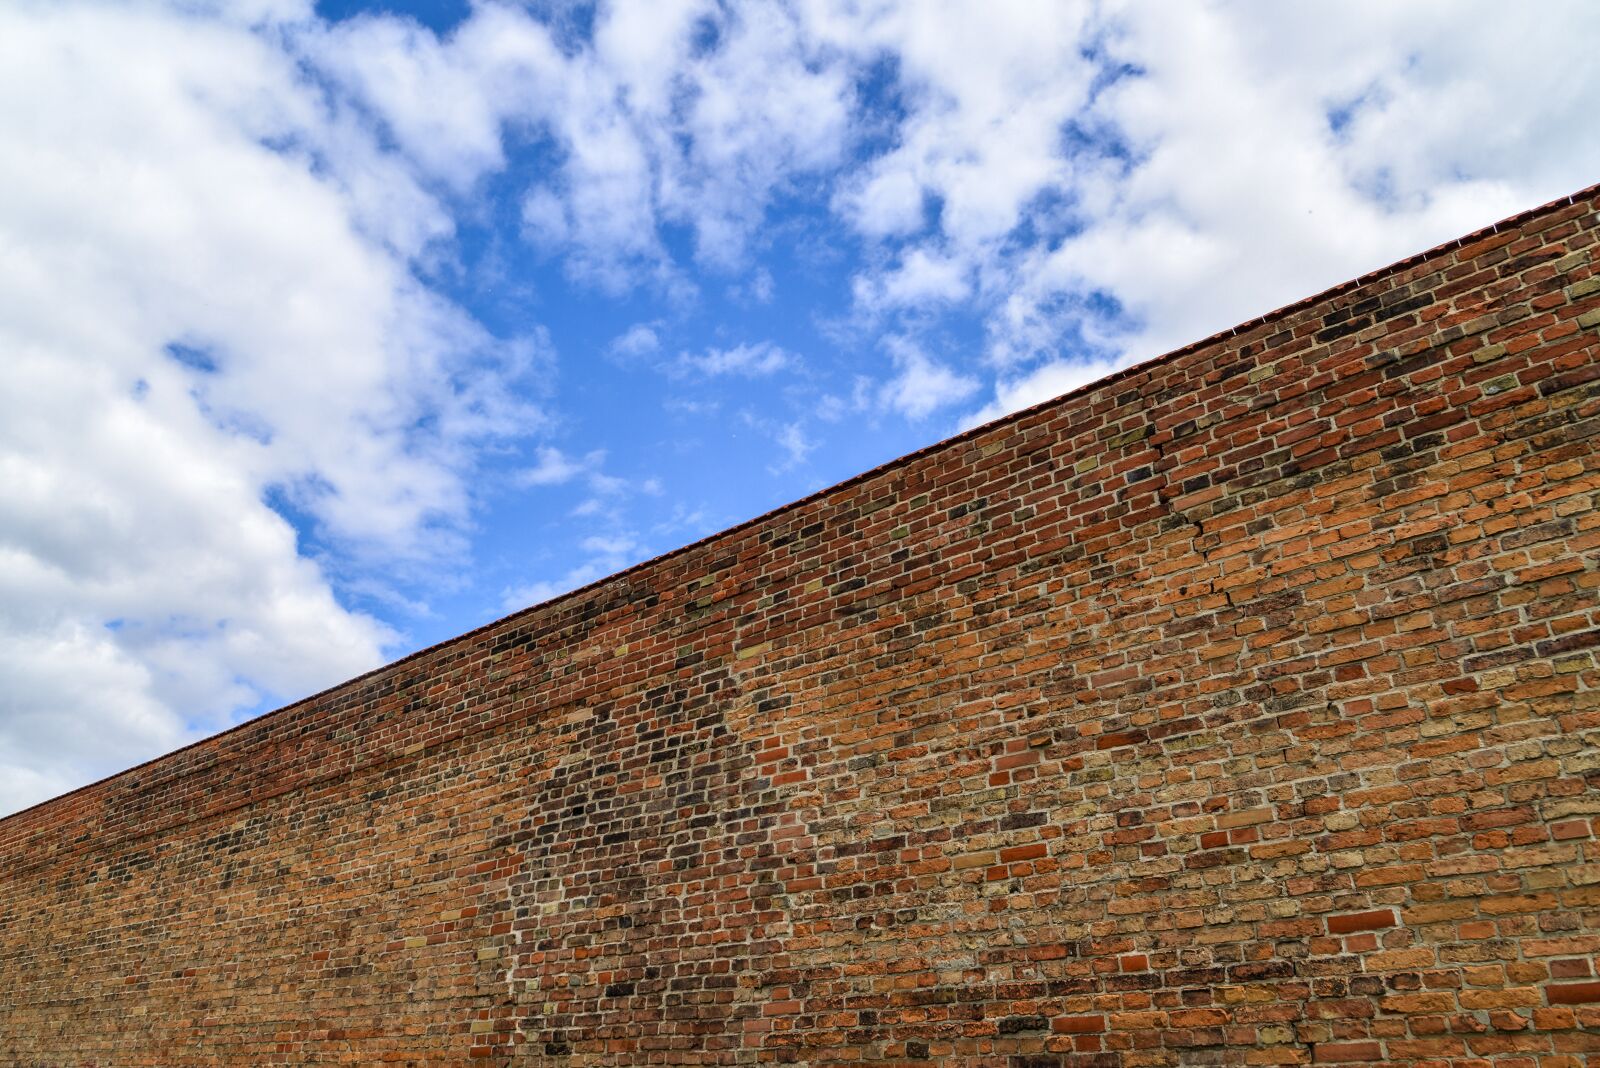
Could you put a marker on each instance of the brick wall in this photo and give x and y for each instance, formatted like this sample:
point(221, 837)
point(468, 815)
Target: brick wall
point(1239, 709)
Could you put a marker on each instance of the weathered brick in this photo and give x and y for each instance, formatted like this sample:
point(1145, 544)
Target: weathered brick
point(1239, 709)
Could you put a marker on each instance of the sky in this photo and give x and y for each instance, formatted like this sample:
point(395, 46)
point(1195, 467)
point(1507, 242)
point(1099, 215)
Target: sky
point(330, 331)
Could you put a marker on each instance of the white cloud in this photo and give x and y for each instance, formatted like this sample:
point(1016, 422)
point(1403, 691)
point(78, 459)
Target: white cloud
point(609, 544)
point(554, 467)
point(608, 494)
point(439, 108)
point(652, 130)
point(607, 485)
point(1095, 180)
point(147, 590)
point(686, 407)
point(607, 553)
point(753, 360)
point(638, 340)
point(1041, 384)
point(923, 277)
point(545, 223)
point(1192, 239)
point(921, 385)
point(765, 105)
point(1118, 180)
point(684, 524)
point(759, 290)
point(449, 103)
point(515, 598)
point(796, 445)
point(987, 89)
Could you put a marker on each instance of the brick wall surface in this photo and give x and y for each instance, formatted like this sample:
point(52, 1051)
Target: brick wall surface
point(1239, 709)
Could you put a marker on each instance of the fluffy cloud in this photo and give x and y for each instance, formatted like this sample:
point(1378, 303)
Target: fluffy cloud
point(796, 446)
point(552, 467)
point(922, 278)
point(753, 360)
point(1130, 177)
point(638, 340)
point(1096, 182)
point(675, 113)
point(921, 385)
point(1101, 183)
point(1177, 239)
point(206, 305)
point(986, 89)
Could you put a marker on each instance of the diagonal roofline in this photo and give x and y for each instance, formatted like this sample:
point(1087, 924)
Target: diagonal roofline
point(1586, 193)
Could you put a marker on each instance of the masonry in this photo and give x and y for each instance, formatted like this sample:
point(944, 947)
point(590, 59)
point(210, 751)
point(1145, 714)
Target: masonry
point(1240, 708)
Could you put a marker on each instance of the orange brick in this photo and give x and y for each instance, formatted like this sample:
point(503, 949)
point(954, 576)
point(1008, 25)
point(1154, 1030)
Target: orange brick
point(1262, 662)
point(1361, 921)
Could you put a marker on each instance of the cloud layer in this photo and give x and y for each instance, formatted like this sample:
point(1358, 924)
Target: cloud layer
point(206, 310)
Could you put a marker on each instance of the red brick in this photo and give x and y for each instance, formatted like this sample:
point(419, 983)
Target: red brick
point(1078, 1024)
point(1016, 760)
point(1340, 1052)
point(1262, 661)
point(1572, 993)
point(1023, 852)
point(1361, 921)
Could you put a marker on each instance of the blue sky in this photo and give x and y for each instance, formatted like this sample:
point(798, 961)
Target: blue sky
point(331, 331)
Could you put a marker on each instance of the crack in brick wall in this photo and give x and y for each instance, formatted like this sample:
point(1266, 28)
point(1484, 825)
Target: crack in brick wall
point(1238, 709)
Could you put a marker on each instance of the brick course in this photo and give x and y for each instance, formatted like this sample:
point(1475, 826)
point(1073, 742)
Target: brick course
point(1238, 709)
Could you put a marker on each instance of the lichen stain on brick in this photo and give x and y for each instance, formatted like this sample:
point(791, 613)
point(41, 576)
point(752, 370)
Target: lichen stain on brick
point(1239, 709)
